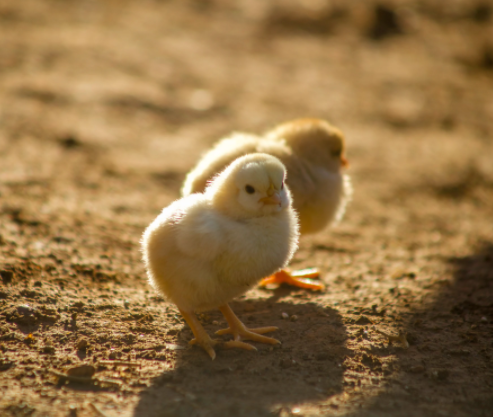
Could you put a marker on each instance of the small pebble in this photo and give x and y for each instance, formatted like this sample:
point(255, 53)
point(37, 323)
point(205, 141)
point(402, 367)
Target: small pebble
point(284, 315)
point(287, 363)
point(115, 354)
point(82, 344)
point(72, 410)
point(484, 319)
point(363, 320)
point(48, 349)
point(417, 369)
point(7, 276)
point(294, 317)
point(83, 371)
point(440, 374)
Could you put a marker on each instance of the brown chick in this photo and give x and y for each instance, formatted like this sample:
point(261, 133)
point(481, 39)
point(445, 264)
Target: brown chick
point(313, 152)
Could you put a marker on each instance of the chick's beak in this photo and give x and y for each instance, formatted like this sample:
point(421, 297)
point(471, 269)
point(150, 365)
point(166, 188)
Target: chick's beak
point(271, 199)
point(344, 162)
point(273, 196)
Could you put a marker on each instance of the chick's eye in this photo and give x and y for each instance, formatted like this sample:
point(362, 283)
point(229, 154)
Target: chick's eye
point(249, 189)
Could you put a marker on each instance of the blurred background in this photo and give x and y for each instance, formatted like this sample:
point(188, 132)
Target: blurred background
point(148, 85)
point(106, 104)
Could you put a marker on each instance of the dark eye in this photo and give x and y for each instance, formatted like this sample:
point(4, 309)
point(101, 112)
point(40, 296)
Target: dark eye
point(249, 189)
point(336, 153)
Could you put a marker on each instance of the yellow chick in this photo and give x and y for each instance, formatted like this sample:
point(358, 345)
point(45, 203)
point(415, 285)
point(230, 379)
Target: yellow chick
point(208, 248)
point(313, 152)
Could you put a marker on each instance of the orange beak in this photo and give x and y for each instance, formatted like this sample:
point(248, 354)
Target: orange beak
point(344, 162)
point(272, 199)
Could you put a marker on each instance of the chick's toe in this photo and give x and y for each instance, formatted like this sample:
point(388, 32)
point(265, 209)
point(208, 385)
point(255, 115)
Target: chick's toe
point(301, 278)
point(240, 331)
point(236, 344)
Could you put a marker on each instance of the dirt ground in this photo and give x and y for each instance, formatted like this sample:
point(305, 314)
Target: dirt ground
point(105, 106)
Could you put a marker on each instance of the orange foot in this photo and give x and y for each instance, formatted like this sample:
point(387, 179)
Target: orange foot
point(301, 278)
point(203, 339)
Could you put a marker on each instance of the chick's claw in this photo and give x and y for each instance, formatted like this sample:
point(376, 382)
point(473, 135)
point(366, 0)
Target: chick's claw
point(207, 344)
point(301, 279)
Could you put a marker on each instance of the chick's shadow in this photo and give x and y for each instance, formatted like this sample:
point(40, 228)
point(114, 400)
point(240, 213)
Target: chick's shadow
point(307, 366)
point(452, 367)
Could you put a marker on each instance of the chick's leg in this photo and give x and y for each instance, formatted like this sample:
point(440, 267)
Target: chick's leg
point(301, 278)
point(201, 336)
point(240, 331)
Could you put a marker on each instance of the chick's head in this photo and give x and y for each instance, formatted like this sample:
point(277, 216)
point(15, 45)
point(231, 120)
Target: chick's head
point(252, 186)
point(314, 140)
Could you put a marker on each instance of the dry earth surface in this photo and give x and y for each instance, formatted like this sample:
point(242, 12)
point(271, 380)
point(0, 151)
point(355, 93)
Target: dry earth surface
point(104, 107)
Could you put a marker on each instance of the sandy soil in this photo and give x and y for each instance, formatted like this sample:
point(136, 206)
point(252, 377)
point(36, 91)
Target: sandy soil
point(104, 107)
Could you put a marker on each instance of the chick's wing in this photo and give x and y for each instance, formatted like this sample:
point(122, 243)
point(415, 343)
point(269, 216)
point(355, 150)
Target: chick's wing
point(199, 231)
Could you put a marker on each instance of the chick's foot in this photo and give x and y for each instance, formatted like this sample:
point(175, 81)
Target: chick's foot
point(301, 278)
point(204, 340)
point(240, 331)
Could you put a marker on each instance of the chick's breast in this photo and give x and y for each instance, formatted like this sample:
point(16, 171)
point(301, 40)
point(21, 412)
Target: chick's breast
point(256, 248)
